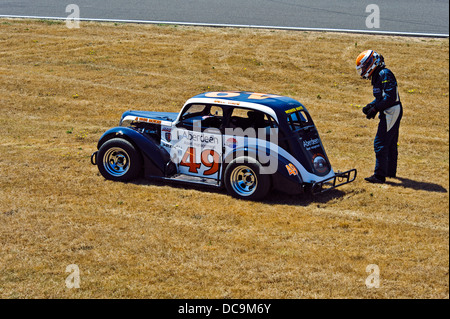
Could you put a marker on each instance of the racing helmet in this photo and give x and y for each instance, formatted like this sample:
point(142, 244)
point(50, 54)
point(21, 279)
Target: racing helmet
point(367, 61)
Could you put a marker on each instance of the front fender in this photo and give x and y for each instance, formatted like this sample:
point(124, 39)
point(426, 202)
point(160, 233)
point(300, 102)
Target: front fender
point(155, 157)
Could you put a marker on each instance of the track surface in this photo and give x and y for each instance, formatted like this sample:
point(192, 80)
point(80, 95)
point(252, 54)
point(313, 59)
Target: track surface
point(416, 16)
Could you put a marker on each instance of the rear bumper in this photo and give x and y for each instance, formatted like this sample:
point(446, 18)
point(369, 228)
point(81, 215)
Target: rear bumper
point(339, 179)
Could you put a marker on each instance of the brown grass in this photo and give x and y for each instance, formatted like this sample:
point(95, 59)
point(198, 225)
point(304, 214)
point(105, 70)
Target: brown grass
point(60, 89)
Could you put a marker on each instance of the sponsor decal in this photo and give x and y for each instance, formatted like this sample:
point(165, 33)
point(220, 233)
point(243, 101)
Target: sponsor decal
point(311, 144)
point(294, 109)
point(227, 102)
point(231, 142)
point(143, 119)
point(198, 137)
point(167, 133)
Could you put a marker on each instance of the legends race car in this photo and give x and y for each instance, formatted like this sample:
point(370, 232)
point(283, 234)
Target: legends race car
point(248, 142)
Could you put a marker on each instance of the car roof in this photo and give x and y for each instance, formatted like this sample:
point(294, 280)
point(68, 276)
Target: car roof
point(278, 103)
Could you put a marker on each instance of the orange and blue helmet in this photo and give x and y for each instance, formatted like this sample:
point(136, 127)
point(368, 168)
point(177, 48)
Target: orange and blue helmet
point(367, 61)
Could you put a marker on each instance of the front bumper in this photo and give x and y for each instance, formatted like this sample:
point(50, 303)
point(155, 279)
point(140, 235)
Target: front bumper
point(339, 179)
point(94, 158)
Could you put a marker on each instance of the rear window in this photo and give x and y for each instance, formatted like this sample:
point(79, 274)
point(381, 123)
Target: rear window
point(298, 120)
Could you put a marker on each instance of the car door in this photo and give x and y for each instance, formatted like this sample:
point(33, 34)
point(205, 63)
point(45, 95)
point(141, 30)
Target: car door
point(197, 143)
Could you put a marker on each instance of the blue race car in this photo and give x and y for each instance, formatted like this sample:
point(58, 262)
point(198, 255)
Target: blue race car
point(248, 142)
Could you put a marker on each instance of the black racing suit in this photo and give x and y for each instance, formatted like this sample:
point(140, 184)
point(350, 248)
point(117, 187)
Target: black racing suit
point(387, 103)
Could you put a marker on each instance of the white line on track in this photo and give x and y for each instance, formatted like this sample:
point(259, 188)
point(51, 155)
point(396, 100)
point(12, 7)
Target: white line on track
point(219, 25)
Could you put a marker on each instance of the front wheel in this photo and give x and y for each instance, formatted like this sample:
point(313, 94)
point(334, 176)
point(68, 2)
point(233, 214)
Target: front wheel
point(243, 180)
point(119, 160)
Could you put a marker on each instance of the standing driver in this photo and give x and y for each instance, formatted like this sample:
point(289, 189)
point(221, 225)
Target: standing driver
point(370, 65)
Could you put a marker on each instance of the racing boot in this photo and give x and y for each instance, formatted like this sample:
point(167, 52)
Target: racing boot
point(376, 179)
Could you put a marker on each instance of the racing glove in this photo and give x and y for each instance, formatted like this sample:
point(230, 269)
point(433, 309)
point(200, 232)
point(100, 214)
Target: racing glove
point(367, 108)
point(371, 113)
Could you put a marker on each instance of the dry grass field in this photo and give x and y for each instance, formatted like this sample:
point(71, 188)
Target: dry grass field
point(61, 88)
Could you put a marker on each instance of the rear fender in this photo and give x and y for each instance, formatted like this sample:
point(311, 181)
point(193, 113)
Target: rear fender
point(242, 152)
point(155, 157)
point(285, 178)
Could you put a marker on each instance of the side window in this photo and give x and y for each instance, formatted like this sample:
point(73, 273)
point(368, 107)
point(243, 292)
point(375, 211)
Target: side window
point(214, 118)
point(245, 118)
point(216, 111)
point(246, 122)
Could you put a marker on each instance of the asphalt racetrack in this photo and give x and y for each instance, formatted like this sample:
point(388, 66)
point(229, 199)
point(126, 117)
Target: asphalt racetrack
point(403, 16)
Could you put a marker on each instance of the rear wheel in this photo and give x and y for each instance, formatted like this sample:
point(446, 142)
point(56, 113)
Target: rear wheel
point(243, 180)
point(119, 160)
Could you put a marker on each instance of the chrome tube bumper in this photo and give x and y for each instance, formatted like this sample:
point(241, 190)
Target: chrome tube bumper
point(339, 179)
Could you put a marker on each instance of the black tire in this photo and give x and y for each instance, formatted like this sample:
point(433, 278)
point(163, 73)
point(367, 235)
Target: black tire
point(119, 160)
point(243, 179)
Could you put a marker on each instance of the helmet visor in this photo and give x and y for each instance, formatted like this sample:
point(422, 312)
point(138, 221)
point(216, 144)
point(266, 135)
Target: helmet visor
point(359, 70)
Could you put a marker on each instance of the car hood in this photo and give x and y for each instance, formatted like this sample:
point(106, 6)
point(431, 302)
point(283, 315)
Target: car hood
point(162, 116)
